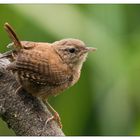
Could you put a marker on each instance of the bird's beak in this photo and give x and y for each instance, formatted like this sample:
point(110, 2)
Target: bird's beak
point(90, 49)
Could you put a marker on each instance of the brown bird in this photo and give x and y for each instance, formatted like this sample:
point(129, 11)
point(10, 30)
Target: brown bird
point(46, 69)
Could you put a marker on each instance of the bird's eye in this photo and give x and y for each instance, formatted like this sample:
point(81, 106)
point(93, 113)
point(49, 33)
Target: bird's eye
point(72, 50)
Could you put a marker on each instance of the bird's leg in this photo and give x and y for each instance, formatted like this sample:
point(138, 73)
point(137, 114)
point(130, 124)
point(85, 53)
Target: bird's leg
point(55, 114)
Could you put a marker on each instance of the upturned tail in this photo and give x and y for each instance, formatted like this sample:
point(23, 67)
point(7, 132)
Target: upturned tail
point(14, 38)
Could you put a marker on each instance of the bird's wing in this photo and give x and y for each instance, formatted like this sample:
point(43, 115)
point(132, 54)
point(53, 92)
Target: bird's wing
point(36, 68)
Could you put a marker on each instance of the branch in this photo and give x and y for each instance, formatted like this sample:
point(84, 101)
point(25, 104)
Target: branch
point(22, 112)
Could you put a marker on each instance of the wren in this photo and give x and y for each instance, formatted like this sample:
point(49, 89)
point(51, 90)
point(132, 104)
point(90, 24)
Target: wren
point(46, 69)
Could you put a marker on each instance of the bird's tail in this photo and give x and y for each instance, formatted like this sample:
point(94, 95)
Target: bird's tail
point(16, 44)
point(14, 38)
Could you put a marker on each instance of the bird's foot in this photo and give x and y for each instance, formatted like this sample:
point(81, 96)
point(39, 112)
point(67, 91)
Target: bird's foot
point(56, 118)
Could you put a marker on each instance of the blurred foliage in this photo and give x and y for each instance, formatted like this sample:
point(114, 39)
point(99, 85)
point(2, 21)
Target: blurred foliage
point(106, 100)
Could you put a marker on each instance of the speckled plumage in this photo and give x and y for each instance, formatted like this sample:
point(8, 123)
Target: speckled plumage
point(45, 69)
point(40, 70)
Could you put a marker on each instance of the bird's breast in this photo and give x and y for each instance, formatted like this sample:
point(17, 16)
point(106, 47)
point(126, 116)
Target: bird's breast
point(75, 77)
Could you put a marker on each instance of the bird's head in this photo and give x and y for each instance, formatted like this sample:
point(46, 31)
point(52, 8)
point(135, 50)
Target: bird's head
point(72, 51)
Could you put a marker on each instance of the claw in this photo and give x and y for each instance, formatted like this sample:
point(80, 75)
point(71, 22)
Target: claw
point(55, 114)
point(56, 118)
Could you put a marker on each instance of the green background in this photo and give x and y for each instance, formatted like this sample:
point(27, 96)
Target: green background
point(106, 100)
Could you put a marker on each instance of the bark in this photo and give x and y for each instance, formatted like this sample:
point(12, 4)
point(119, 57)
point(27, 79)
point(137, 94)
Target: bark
point(23, 113)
